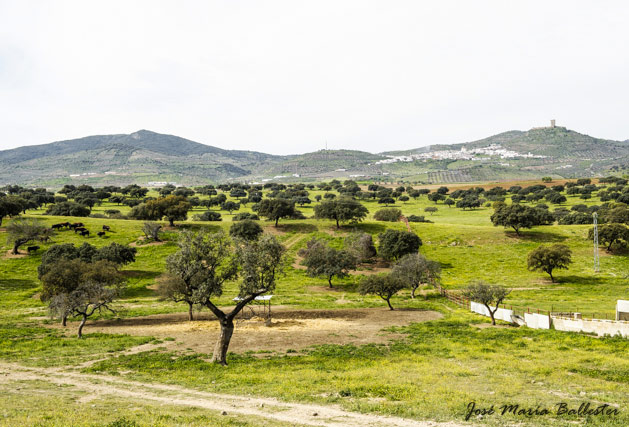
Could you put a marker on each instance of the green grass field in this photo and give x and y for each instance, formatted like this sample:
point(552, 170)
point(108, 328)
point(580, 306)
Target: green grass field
point(430, 371)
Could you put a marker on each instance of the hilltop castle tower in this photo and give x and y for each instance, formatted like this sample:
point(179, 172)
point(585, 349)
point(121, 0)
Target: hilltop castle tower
point(552, 123)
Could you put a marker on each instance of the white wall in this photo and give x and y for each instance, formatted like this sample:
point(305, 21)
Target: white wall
point(622, 309)
point(501, 313)
point(537, 321)
point(599, 327)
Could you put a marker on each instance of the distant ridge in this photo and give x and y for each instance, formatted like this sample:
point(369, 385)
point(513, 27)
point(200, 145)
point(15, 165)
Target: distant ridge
point(145, 156)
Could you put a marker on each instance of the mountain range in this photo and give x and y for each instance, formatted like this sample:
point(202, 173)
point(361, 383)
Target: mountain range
point(145, 157)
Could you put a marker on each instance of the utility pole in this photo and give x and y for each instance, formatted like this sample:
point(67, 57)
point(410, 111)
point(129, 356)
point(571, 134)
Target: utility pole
point(596, 262)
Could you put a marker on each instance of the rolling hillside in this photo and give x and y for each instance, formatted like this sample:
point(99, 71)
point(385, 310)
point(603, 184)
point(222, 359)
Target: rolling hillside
point(146, 156)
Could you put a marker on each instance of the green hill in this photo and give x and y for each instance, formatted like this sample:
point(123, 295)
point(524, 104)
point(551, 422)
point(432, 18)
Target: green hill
point(146, 156)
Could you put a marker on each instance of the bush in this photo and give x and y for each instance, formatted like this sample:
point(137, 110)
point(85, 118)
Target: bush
point(245, 215)
point(68, 209)
point(395, 244)
point(209, 216)
point(417, 218)
point(246, 229)
point(97, 215)
point(388, 214)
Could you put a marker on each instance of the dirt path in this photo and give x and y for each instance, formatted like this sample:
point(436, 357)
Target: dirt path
point(290, 328)
point(272, 409)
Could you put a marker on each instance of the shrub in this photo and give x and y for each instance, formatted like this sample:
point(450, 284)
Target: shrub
point(245, 215)
point(209, 216)
point(417, 218)
point(68, 209)
point(390, 214)
point(245, 229)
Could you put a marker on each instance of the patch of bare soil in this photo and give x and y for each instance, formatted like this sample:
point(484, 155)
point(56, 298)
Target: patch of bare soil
point(100, 386)
point(141, 245)
point(10, 255)
point(289, 328)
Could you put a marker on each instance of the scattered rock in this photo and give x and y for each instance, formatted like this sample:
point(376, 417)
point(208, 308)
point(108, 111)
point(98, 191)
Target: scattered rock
point(315, 414)
point(224, 413)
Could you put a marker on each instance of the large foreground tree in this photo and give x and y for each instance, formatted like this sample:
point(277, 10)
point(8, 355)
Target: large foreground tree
point(206, 261)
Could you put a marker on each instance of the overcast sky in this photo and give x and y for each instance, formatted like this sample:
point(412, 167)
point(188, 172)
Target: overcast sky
point(287, 76)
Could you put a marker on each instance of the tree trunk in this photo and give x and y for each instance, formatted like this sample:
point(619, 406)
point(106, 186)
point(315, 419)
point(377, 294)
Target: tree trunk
point(413, 292)
point(220, 350)
point(276, 221)
point(517, 231)
point(491, 314)
point(337, 224)
point(83, 320)
point(64, 320)
point(389, 303)
point(16, 246)
point(552, 279)
point(172, 222)
point(190, 316)
point(1, 218)
point(330, 281)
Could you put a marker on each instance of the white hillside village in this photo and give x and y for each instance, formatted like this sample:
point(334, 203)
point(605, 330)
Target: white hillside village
point(462, 154)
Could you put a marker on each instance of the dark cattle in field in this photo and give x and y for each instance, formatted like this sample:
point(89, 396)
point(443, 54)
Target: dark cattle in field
point(85, 233)
point(106, 228)
point(65, 224)
point(32, 249)
point(80, 229)
point(57, 226)
point(101, 233)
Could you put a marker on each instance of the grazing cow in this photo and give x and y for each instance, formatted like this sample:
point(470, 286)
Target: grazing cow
point(106, 228)
point(79, 229)
point(101, 233)
point(57, 226)
point(66, 224)
point(85, 233)
point(32, 249)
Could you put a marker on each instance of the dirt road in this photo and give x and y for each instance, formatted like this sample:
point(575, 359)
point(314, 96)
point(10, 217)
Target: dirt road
point(272, 409)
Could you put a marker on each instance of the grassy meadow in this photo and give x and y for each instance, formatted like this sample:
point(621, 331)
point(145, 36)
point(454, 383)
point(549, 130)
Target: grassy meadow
point(429, 371)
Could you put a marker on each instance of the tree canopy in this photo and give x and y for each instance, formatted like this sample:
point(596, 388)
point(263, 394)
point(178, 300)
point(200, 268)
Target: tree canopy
point(344, 209)
point(394, 244)
point(322, 260)
point(518, 216)
point(487, 295)
point(382, 285)
point(549, 258)
point(275, 209)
